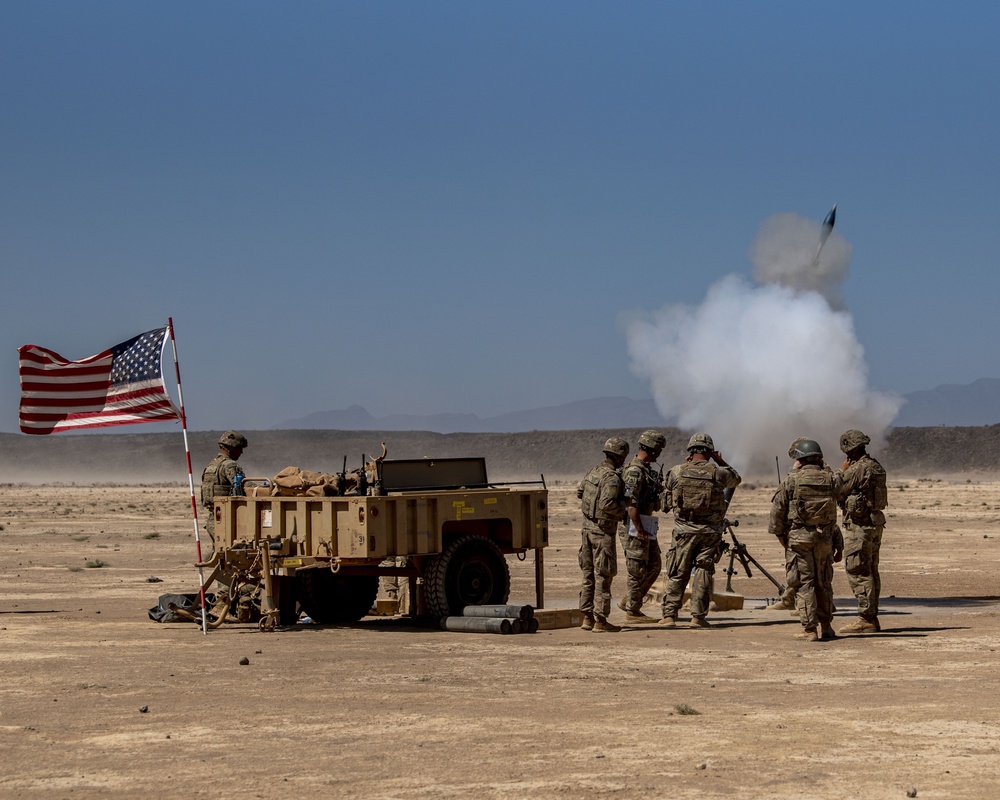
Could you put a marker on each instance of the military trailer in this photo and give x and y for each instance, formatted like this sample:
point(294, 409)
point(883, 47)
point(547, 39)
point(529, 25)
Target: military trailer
point(440, 522)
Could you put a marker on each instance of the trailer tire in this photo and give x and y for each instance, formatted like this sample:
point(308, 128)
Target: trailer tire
point(332, 599)
point(470, 570)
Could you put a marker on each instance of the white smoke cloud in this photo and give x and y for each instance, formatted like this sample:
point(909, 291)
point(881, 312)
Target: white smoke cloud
point(757, 365)
point(784, 253)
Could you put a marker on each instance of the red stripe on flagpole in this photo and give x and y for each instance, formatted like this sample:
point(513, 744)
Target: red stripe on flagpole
point(187, 455)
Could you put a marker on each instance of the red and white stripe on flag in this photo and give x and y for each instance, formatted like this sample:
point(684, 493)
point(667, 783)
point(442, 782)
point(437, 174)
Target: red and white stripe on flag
point(122, 385)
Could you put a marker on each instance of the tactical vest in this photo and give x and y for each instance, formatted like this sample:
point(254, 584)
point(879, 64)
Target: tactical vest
point(871, 496)
point(646, 492)
point(697, 496)
point(212, 483)
point(593, 482)
point(813, 501)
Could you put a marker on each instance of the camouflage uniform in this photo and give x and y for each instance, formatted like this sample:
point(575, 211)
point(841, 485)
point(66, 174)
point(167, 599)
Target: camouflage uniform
point(697, 536)
point(793, 581)
point(603, 505)
point(396, 588)
point(217, 481)
point(642, 556)
point(810, 545)
point(863, 528)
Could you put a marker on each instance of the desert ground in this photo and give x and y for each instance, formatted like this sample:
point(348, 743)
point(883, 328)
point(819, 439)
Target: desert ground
point(388, 709)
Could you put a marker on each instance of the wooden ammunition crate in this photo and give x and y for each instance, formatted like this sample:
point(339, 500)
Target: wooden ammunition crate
point(552, 618)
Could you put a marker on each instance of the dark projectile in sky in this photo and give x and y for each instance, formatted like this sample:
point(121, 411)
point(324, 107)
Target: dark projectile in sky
point(828, 223)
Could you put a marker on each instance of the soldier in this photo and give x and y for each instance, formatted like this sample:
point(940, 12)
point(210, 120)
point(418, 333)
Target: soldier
point(396, 588)
point(804, 518)
point(696, 491)
point(864, 497)
point(787, 600)
point(221, 478)
point(602, 500)
point(637, 531)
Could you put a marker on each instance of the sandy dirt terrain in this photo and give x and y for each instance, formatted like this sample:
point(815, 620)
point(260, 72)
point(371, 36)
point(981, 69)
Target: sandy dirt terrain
point(387, 709)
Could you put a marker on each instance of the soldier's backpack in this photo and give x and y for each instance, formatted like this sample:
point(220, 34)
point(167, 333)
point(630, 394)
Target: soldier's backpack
point(162, 611)
point(878, 494)
point(813, 502)
point(592, 491)
point(696, 494)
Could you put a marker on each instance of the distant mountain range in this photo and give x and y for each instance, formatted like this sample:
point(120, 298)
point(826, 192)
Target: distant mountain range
point(977, 403)
point(601, 412)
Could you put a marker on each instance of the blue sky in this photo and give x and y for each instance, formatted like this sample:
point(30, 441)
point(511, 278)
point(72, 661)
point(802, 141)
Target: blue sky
point(424, 207)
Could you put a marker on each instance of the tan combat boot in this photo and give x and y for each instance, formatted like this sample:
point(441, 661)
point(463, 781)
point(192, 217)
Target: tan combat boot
point(588, 622)
point(638, 618)
point(782, 605)
point(668, 622)
point(828, 632)
point(603, 626)
point(809, 634)
point(699, 622)
point(861, 625)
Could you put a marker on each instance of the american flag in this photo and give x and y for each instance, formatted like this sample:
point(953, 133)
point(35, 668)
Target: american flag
point(120, 386)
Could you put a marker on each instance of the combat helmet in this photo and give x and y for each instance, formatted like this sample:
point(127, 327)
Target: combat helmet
point(852, 440)
point(804, 448)
point(701, 441)
point(652, 440)
point(233, 439)
point(794, 446)
point(616, 446)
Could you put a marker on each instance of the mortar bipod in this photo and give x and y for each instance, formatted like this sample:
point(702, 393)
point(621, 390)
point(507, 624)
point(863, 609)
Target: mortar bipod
point(739, 550)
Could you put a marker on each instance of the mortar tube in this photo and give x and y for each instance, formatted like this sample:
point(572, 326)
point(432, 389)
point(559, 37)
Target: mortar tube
point(511, 612)
point(479, 624)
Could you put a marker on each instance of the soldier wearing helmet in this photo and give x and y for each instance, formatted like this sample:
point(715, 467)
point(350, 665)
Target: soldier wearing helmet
point(697, 491)
point(864, 497)
point(787, 600)
point(804, 518)
point(602, 501)
point(222, 477)
point(637, 531)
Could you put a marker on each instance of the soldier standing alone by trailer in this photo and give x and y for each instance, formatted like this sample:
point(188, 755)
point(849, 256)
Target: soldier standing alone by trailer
point(602, 500)
point(804, 518)
point(696, 493)
point(864, 497)
point(222, 477)
point(637, 534)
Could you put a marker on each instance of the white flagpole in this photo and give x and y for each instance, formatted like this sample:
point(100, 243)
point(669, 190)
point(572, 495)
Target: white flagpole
point(194, 503)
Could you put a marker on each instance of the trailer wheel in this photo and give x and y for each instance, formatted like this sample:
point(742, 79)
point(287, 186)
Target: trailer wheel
point(469, 571)
point(329, 598)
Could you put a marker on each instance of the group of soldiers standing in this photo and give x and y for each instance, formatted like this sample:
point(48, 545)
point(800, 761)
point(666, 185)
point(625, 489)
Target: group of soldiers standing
point(623, 500)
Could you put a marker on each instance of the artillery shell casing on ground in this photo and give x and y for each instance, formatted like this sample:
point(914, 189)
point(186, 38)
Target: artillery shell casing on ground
point(511, 612)
point(479, 624)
